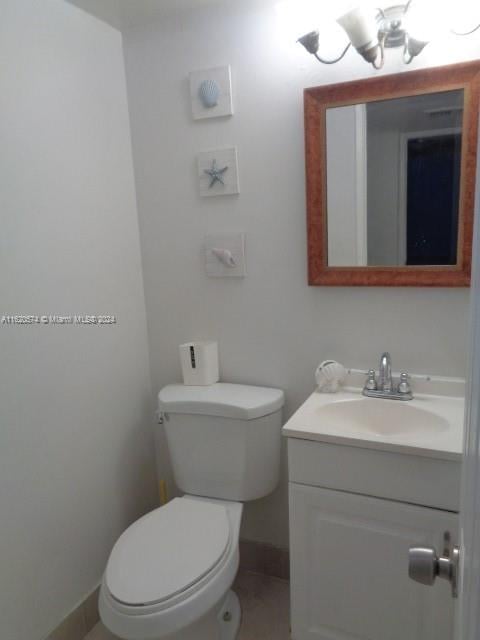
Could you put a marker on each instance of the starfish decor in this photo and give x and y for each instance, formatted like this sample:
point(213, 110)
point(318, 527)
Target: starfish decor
point(216, 174)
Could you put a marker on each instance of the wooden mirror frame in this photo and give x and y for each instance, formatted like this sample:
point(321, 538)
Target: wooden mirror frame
point(317, 100)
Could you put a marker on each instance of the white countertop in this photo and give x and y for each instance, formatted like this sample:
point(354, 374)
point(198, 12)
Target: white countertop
point(307, 423)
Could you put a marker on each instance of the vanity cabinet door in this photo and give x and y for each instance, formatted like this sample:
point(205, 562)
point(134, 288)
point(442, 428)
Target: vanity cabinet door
point(349, 568)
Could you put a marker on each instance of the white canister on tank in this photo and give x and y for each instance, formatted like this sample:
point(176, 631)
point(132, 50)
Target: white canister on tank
point(199, 362)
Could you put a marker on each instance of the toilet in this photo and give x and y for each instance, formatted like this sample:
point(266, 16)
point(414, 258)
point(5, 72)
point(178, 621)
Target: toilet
point(169, 575)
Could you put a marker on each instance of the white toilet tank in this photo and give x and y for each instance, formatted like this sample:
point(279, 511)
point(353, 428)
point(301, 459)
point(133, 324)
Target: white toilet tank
point(224, 439)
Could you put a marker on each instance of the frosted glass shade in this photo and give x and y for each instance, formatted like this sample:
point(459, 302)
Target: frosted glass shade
point(361, 27)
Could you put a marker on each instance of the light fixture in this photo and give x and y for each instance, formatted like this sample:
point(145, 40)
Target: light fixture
point(362, 30)
point(371, 31)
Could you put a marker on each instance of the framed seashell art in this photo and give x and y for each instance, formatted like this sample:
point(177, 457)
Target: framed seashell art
point(211, 93)
point(218, 172)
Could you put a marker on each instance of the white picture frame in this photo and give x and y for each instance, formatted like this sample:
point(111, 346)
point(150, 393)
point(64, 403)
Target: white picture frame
point(221, 78)
point(223, 162)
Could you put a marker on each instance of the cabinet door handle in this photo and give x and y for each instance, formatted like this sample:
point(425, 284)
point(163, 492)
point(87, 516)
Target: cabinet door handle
point(424, 565)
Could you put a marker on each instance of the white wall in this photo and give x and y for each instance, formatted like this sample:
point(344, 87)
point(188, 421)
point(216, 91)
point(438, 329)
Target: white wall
point(106, 10)
point(383, 159)
point(346, 156)
point(75, 437)
point(272, 328)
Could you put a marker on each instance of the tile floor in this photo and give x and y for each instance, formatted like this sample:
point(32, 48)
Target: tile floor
point(265, 609)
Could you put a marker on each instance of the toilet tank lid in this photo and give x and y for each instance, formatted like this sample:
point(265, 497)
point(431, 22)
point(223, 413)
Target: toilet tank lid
point(222, 399)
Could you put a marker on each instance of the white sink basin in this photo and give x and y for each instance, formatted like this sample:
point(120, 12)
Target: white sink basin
point(381, 417)
point(428, 425)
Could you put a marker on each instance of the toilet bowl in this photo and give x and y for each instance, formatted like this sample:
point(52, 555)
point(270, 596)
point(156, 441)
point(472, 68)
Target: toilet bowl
point(169, 575)
point(172, 570)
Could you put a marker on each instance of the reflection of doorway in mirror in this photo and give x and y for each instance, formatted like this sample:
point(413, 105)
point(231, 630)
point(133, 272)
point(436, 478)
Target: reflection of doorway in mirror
point(411, 225)
point(429, 170)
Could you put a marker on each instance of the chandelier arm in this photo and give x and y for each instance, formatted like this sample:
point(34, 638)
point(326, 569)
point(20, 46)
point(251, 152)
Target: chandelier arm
point(407, 60)
point(336, 59)
point(466, 33)
point(382, 55)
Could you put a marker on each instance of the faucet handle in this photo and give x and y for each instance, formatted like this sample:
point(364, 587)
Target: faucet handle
point(404, 385)
point(371, 383)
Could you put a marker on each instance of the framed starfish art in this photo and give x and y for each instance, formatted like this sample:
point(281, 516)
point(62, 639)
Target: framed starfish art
point(218, 172)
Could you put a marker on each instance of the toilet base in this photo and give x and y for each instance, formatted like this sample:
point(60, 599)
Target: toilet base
point(220, 623)
point(229, 617)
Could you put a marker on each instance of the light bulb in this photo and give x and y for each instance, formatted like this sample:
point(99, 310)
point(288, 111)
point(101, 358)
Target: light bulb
point(466, 16)
point(427, 19)
point(297, 17)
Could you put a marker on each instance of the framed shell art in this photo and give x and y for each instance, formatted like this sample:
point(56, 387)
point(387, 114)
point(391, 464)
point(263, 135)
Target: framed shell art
point(211, 93)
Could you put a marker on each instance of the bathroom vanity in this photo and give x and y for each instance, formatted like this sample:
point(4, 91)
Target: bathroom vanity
point(368, 478)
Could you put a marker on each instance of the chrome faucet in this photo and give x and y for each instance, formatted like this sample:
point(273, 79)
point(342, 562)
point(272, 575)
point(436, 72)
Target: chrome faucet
point(385, 372)
point(385, 387)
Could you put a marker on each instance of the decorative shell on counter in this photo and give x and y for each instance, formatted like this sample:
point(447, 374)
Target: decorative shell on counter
point(329, 376)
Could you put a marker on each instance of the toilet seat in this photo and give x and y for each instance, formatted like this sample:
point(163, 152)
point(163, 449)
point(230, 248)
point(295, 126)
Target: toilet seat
point(174, 612)
point(167, 552)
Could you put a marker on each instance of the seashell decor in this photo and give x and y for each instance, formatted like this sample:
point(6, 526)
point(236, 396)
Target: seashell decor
point(329, 376)
point(209, 92)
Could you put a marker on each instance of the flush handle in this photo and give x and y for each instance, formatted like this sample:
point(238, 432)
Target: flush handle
point(425, 566)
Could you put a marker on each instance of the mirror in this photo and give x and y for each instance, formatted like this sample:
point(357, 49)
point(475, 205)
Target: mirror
point(387, 182)
point(394, 200)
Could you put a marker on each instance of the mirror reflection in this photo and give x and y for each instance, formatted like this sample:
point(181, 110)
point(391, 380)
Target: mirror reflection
point(393, 181)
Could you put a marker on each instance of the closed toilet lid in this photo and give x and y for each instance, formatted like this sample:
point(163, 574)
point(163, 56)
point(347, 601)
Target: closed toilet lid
point(167, 551)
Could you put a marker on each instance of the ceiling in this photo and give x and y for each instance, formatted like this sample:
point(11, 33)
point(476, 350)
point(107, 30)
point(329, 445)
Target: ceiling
point(124, 13)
